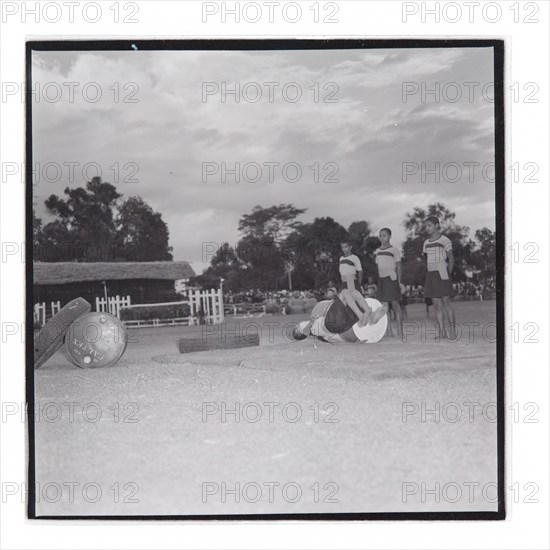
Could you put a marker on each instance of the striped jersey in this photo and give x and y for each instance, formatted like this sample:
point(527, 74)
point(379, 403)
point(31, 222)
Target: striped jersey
point(437, 254)
point(386, 260)
point(349, 265)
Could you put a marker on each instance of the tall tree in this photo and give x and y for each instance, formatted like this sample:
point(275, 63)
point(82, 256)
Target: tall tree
point(141, 232)
point(364, 243)
point(275, 222)
point(358, 232)
point(85, 228)
point(225, 264)
point(484, 254)
point(414, 221)
point(262, 247)
point(91, 226)
point(316, 249)
point(262, 262)
point(36, 234)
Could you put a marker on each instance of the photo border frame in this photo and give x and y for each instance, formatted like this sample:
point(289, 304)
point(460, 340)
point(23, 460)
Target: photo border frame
point(245, 44)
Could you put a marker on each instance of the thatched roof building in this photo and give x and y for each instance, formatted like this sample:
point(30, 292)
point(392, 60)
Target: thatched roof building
point(58, 273)
point(144, 282)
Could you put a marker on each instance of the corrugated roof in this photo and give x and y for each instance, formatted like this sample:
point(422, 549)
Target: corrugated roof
point(58, 273)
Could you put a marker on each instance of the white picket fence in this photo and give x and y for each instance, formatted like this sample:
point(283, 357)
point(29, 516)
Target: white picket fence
point(113, 306)
point(40, 313)
point(210, 302)
point(144, 323)
point(205, 307)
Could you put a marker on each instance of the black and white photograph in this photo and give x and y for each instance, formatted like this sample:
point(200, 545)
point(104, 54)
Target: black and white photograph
point(265, 279)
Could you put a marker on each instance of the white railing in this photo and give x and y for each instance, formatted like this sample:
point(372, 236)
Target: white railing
point(205, 307)
point(175, 321)
point(207, 304)
point(245, 310)
point(40, 313)
point(113, 306)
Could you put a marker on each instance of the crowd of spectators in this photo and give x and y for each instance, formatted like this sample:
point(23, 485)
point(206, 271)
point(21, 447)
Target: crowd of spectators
point(462, 291)
point(256, 296)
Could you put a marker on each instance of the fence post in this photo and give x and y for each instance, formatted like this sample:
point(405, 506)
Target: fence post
point(220, 302)
point(209, 299)
point(55, 307)
point(116, 303)
point(210, 302)
point(191, 307)
point(40, 313)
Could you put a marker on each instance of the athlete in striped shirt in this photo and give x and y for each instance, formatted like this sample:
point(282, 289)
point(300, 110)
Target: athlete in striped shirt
point(351, 273)
point(388, 260)
point(438, 251)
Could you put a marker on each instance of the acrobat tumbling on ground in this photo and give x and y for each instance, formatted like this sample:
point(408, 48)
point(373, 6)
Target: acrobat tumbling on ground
point(333, 320)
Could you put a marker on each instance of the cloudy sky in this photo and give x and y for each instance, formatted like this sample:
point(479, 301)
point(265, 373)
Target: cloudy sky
point(153, 116)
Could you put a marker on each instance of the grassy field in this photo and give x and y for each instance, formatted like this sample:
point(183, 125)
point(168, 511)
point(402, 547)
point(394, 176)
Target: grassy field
point(316, 428)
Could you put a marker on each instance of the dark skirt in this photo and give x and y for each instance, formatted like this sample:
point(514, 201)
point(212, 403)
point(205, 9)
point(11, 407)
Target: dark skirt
point(388, 290)
point(436, 287)
point(339, 317)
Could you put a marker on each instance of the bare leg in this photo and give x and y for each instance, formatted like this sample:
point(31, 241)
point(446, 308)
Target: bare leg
point(375, 316)
point(372, 317)
point(348, 299)
point(450, 313)
point(389, 330)
point(438, 308)
point(363, 304)
point(368, 317)
point(360, 300)
point(399, 317)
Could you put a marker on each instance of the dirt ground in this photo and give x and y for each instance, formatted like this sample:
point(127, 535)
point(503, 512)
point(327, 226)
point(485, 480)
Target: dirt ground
point(284, 427)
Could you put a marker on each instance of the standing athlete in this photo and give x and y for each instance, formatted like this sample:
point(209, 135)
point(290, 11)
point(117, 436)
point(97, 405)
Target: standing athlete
point(438, 251)
point(351, 273)
point(388, 260)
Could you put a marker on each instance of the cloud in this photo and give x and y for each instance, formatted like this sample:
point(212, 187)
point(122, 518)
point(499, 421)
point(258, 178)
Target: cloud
point(153, 114)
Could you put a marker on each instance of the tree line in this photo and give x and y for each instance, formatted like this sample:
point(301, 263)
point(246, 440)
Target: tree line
point(93, 224)
point(276, 251)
